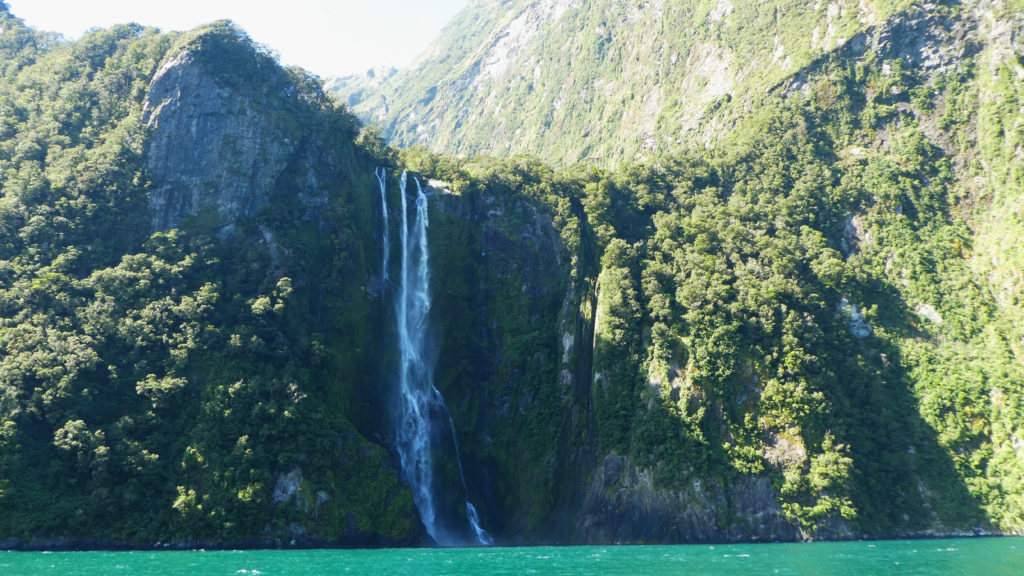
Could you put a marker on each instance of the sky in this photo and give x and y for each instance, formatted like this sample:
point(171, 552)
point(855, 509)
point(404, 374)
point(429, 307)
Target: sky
point(327, 37)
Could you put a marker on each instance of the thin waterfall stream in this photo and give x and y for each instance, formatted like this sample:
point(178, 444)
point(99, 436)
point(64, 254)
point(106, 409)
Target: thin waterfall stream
point(420, 404)
point(382, 175)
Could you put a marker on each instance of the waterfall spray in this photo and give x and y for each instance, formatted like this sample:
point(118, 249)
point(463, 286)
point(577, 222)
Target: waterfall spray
point(420, 403)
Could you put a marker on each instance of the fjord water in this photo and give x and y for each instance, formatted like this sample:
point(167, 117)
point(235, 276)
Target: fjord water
point(983, 556)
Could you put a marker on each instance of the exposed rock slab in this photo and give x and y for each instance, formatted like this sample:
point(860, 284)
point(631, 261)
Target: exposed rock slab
point(213, 153)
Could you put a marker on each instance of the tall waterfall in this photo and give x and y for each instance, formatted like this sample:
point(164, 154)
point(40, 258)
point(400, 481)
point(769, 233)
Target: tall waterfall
point(421, 410)
point(382, 175)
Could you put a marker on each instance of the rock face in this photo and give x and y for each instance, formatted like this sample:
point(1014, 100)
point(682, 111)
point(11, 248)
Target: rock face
point(853, 235)
point(493, 389)
point(859, 326)
point(287, 485)
point(924, 38)
point(622, 504)
point(517, 239)
point(213, 154)
point(592, 497)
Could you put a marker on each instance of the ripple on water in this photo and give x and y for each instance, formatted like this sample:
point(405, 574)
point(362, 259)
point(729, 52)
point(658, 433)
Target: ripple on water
point(994, 556)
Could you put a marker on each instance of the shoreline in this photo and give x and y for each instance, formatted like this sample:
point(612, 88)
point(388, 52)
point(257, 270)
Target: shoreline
point(90, 545)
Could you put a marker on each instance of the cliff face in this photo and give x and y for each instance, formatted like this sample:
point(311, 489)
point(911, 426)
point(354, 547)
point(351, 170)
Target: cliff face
point(516, 314)
point(623, 504)
point(211, 153)
point(502, 275)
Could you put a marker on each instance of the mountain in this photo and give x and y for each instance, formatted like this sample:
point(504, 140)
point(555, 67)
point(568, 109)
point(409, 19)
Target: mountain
point(614, 80)
point(603, 81)
point(157, 354)
point(883, 89)
point(807, 326)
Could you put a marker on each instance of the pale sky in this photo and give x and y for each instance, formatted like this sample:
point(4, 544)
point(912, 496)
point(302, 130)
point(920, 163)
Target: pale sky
point(327, 37)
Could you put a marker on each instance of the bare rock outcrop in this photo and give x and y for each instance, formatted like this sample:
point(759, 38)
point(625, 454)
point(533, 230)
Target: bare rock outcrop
point(213, 153)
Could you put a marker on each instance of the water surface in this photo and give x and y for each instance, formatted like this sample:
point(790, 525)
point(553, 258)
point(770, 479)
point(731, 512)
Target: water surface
point(983, 556)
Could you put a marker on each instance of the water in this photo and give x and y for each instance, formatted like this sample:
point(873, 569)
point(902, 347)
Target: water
point(382, 176)
point(983, 556)
point(420, 405)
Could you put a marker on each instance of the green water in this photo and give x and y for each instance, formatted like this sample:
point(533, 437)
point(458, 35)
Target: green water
point(983, 556)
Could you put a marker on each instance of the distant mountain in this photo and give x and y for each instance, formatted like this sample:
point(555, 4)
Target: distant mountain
point(605, 80)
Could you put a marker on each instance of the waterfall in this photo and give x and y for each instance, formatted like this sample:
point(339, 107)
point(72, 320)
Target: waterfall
point(381, 175)
point(481, 535)
point(420, 404)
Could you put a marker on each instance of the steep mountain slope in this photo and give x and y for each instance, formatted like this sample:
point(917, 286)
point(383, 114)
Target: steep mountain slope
point(160, 333)
point(195, 340)
point(810, 330)
point(897, 151)
point(603, 81)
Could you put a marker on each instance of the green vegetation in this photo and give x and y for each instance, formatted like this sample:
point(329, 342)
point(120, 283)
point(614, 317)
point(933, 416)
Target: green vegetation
point(156, 386)
point(603, 82)
point(728, 288)
point(829, 299)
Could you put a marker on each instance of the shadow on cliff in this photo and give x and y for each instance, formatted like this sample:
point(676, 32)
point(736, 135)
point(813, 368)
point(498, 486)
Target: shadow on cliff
point(904, 481)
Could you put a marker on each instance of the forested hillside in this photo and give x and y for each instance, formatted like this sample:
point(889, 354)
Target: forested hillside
point(159, 383)
point(809, 328)
point(814, 272)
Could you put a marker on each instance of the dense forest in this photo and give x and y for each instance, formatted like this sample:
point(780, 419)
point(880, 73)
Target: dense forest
point(810, 328)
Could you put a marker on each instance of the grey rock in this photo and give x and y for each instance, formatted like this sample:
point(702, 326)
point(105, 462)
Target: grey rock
point(859, 326)
point(287, 485)
point(623, 505)
point(854, 234)
point(213, 153)
point(296, 532)
point(929, 312)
